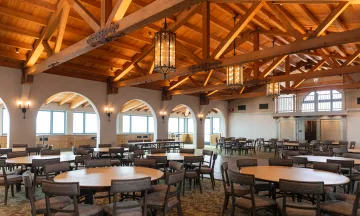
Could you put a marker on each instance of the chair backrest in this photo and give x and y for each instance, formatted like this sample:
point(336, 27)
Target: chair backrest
point(19, 145)
point(351, 155)
point(5, 151)
point(345, 164)
point(81, 160)
point(82, 151)
point(224, 174)
point(188, 151)
point(50, 147)
point(339, 151)
point(50, 152)
point(208, 154)
point(160, 161)
point(38, 164)
point(330, 167)
point(35, 150)
point(71, 189)
point(105, 145)
point(281, 162)
point(297, 187)
point(54, 169)
point(352, 144)
point(28, 183)
point(74, 149)
point(16, 154)
point(300, 160)
point(158, 151)
point(175, 166)
point(246, 163)
point(242, 179)
point(190, 160)
point(213, 161)
point(116, 151)
point(320, 153)
point(84, 146)
point(97, 163)
point(150, 163)
point(175, 178)
point(3, 167)
point(131, 185)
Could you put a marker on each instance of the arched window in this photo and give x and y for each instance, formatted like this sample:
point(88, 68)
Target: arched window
point(330, 100)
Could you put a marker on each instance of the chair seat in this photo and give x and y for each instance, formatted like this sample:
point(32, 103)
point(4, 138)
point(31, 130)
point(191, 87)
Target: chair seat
point(191, 174)
point(349, 198)
point(115, 163)
point(84, 210)
point(338, 207)
point(58, 202)
point(204, 170)
point(259, 202)
point(12, 179)
point(161, 188)
point(157, 200)
point(295, 211)
point(126, 208)
point(239, 189)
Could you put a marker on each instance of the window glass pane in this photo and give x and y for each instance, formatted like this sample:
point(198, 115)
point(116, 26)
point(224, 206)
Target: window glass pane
point(78, 123)
point(58, 122)
point(181, 125)
point(308, 104)
point(138, 124)
point(216, 125)
point(151, 125)
point(207, 130)
point(43, 122)
point(90, 123)
point(190, 125)
point(126, 124)
point(173, 125)
point(5, 123)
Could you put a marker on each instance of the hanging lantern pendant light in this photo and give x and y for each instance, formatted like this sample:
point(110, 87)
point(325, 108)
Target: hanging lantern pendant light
point(235, 73)
point(164, 42)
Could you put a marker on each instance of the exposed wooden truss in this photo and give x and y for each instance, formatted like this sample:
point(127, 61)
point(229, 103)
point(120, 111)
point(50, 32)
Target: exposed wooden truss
point(68, 98)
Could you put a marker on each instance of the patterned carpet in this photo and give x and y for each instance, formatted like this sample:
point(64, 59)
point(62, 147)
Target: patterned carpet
point(193, 203)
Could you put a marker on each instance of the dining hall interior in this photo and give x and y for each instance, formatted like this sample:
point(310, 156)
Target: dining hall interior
point(179, 107)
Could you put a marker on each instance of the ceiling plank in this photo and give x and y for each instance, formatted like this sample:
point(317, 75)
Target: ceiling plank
point(118, 11)
point(185, 51)
point(85, 14)
point(240, 96)
point(272, 66)
point(240, 25)
point(181, 81)
point(77, 102)
point(330, 19)
point(67, 99)
point(52, 98)
point(198, 89)
point(131, 105)
point(106, 10)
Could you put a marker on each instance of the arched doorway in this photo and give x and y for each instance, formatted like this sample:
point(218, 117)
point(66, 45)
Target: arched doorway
point(136, 121)
point(4, 125)
point(67, 119)
point(214, 126)
point(182, 124)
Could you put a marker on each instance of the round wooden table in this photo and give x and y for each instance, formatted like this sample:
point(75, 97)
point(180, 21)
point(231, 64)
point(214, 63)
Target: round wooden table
point(275, 173)
point(174, 156)
point(106, 150)
point(312, 158)
point(101, 177)
point(28, 159)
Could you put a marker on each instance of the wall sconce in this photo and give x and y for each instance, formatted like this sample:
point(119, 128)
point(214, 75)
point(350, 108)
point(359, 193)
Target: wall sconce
point(163, 114)
point(109, 111)
point(24, 107)
point(201, 116)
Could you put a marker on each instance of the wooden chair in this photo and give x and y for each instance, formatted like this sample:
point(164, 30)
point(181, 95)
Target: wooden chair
point(80, 161)
point(300, 161)
point(260, 143)
point(260, 186)
point(227, 188)
point(51, 170)
point(33, 150)
point(39, 206)
point(320, 153)
point(105, 145)
point(343, 207)
point(161, 162)
point(54, 189)
point(38, 168)
point(190, 173)
point(50, 152)
point(16, 154)
point(208, 171)
point(116, 156)
point(19, 145)
point(187, 151)
point(160, 201)
point(97, 163)
point(338, 152)
point(300, 188)
point(4, 151)
point(281, 162)
point(158, 151)
point(251, 202)
point(346, 169)
point(352, 145)
point(119, 187)
point(149, 163)
point(8, 181)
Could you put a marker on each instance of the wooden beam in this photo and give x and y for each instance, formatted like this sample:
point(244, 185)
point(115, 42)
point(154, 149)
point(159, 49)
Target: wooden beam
point(85, 14)
point(199, 89)
point(151, 69)
point(182, 80)
point(330, 19)
point(256, 45)
point(240, 96)
point(240, 25)
point(137, 20)
point(78, 67)
point(106, 8)
point(62, 25)
point(47, 48)
point(67, 99)
point(287, 69)
point(119, 11)
point(332, 39)
point(211, 93)
point(314, 68)
point(185, 51)
point(205, 30)
point(76, 103)
point(322, 88)
point(86, 104)
point(131, 105)
point(52, 98)
point(350, 59)
point(208, 77)
point(272, 66)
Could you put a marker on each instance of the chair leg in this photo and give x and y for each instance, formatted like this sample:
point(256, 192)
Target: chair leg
point(12, 190)
point(212, 180)
point(226, 201)
point(199, 184)
point(179, 210)
point(183, 187)
point(6, 194)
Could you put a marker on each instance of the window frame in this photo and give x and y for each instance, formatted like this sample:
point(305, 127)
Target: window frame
point(186, 127)
point(316, 102)
point(84, 122)
point(130, 126)
point(51, 122)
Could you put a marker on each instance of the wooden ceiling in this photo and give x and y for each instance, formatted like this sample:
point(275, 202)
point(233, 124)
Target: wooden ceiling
point(135, 105)
point(72, 99)
point(52, 36)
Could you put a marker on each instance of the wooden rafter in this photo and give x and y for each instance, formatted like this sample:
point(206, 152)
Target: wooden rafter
point(78, 102)
point(272, 66)
point(52, 98)
point(118, 11)
point(62, 25)
point(85, 14)
point(131, 105)
point(67, 99)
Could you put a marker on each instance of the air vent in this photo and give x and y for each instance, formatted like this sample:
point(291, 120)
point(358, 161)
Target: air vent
point(263, 106)
point(242, 107)
point(358, 100)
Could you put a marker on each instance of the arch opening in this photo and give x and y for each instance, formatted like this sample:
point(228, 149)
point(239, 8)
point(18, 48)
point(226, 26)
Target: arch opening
point(182, 124)
point(67, 119)
point(4, 125)
point(214, 126)
point(136, 121)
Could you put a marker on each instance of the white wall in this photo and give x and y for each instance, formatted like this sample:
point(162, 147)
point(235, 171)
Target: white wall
point(45, 85)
